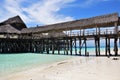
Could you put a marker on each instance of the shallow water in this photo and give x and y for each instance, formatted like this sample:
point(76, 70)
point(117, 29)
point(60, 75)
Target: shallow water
point(10, 63)
point(90, 50)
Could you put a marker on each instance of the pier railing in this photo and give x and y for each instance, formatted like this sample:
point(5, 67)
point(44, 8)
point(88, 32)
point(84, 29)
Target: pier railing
point(70, 34)
point(92, 32)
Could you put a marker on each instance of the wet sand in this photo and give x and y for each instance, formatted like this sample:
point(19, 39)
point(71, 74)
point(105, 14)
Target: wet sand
point(76, 68)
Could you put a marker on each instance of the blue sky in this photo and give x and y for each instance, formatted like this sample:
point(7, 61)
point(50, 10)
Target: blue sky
point(42, 12)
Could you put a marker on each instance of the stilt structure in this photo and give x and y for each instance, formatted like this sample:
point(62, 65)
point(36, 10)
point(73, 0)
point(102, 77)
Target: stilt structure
point(15, 37)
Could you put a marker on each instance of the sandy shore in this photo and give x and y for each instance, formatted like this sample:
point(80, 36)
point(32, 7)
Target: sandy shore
point(76, 68)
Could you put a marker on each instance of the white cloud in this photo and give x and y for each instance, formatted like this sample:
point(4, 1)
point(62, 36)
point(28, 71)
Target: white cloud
point(48, 12)
point(12, 8)
point(42, 12)
point(88, 3)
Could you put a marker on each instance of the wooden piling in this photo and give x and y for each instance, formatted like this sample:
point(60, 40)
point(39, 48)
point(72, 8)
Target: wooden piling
point(96, 47)
point(47, 46)
point(53, 46)
point(75, 46)
point(85, 47)
point(71, 46)
point(64, 45)
point(115, 46)
point(80, 46)
point(58, 46)
point(106, 47)
point(67, 46)
point(109, 46)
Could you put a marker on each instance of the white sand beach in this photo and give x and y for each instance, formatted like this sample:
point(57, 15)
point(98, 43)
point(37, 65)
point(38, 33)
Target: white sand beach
point(76, 68)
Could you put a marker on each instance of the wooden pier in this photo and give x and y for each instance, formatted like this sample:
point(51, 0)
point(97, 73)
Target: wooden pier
point(15, 37)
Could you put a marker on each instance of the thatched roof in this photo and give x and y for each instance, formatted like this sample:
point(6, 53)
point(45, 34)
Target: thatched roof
point(15, 22)
point(56, 34)
point(98, 21)
point(8, 29)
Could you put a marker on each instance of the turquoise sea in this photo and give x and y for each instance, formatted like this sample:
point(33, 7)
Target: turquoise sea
point(10, 63)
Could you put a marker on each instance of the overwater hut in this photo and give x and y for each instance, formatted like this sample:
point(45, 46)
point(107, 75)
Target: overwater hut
point(11, 27)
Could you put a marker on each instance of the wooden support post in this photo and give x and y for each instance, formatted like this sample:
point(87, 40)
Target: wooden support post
point(106, 46)
point(70, 33)
point(115, 40)
point(67, 46)
point(83, 32)
point(80, 46)
point(71, 46)
point(43, 45)
point(64, 44)
point(85, 47)
point(31, 46)
point(119, 42)
point(115, 47)
point(40, 50)
point(80, 32)
point(58, 46)
point(109, 46)
point(116, 28)
point(96, 47)
point(53, 44)
point(47, 46)
point(96, 30)
point(75, 47)
point(99, 31)
point(99, 46)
